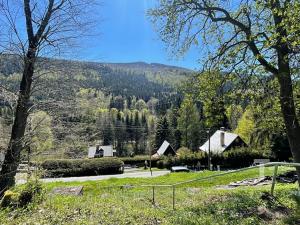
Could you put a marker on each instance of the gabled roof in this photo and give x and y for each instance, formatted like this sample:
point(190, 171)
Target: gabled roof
point(163, 148)
point(107, 151)
point(215, 142)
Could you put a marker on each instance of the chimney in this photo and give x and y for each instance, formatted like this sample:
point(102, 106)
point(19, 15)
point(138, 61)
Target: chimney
point(222, 136)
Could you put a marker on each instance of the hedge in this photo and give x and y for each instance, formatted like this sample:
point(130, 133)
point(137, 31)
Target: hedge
point(139, 160)
point(234, 158)
point(184, 157)
point(241, 157)
point(82, 167)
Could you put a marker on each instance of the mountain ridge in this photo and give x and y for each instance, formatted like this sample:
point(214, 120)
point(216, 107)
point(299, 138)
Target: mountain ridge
point(13, 61)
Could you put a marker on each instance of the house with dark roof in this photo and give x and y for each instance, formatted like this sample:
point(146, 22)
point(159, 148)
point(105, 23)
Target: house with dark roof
point(165, 149)
point(222, 141)
point(101, 151)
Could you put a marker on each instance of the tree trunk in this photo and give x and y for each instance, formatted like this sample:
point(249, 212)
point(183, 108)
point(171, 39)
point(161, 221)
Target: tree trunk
point(288, 107)
point(15, 146)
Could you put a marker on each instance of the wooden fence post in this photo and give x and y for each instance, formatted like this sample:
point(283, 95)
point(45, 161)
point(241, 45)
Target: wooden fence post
point(153, 195)
point(274, 179)
point(173, 197)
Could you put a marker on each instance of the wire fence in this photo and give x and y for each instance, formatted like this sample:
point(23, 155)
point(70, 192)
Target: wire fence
point(167, 193)
point(170, 190)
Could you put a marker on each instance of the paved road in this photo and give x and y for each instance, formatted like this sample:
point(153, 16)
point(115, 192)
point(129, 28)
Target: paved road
point(104, 177)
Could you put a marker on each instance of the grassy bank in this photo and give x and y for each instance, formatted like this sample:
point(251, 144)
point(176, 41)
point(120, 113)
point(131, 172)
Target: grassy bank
point(198, 203)
point(173, 178)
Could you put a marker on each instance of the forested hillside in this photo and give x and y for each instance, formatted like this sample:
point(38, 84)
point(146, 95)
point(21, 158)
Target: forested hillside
point(75, 104)
point(136, 106)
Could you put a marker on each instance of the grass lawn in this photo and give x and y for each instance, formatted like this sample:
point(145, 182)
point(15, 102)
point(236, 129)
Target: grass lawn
point(105, 202)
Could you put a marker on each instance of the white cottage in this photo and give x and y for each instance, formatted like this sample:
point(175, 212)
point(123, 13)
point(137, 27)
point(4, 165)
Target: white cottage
point(101, 151)
point(222, 141)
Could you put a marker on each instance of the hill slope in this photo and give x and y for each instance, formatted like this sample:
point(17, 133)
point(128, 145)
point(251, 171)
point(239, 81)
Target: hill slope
point(138, 79)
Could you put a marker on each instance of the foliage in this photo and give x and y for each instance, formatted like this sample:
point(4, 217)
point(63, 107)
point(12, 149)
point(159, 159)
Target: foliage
point(162, 132)
point(242, 157)
point(82, 167)
point(294, 219)
point(39, 129)
point(184, 157)
point(138, 160)
point(22, 196)
point(234, 158)
point(91, 103)
point(174, 131)
point(32, 190)
point(187, 157)
point(198, 203)
point(10, 198)
point(234, 113)
point(246, 125)
point(189, 124)
point(256, 42)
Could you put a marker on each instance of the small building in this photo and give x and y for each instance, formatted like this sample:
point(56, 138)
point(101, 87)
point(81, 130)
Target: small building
point(222, 141)
point(101, 151)
point(165, 149)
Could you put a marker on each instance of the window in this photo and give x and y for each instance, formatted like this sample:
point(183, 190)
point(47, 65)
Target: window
point(99, 153)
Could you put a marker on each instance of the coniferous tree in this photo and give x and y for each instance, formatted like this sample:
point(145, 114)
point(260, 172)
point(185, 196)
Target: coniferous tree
point(162, 132)
point(189, 124)
point(175, 134)
point(215, 114)
point(120, 134)
point(136, 131)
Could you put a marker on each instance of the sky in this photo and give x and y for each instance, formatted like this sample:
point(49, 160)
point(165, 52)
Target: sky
point(127, 35)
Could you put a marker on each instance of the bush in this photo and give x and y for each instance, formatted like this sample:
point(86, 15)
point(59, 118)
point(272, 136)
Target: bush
point(31, 190)
point(187, 157)
point(139, 161)
point(166, 162)
point(234, 158)
point(294, 218)
point(21, 196)
point(82, 167)
point(10, 199)
point(241, 157)
point(184, 157)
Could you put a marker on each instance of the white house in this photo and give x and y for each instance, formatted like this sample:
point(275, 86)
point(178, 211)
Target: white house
point(221, 141)
point(101, 151)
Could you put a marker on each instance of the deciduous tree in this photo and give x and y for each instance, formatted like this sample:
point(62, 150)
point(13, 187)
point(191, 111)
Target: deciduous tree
point(241, 36)
point(49, 26)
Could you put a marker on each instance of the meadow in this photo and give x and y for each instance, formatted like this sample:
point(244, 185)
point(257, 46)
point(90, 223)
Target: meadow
point(125, 201)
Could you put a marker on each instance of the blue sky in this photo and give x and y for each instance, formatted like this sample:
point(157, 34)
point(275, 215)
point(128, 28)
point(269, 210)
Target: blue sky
point(126, 35)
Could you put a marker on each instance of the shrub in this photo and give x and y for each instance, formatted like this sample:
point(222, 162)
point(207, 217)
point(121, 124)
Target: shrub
point(82, 167)
point(166, 162)
point(294, 218)
point(187, 157)
point(31, 190)
point(241, 157)
point(10, 199)
point(234, 158)
point(184, 157)
point(21, 196)
point(139, 161)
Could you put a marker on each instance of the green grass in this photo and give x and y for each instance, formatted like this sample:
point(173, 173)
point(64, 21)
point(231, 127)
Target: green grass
point(104, 202)
point(174, 178)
